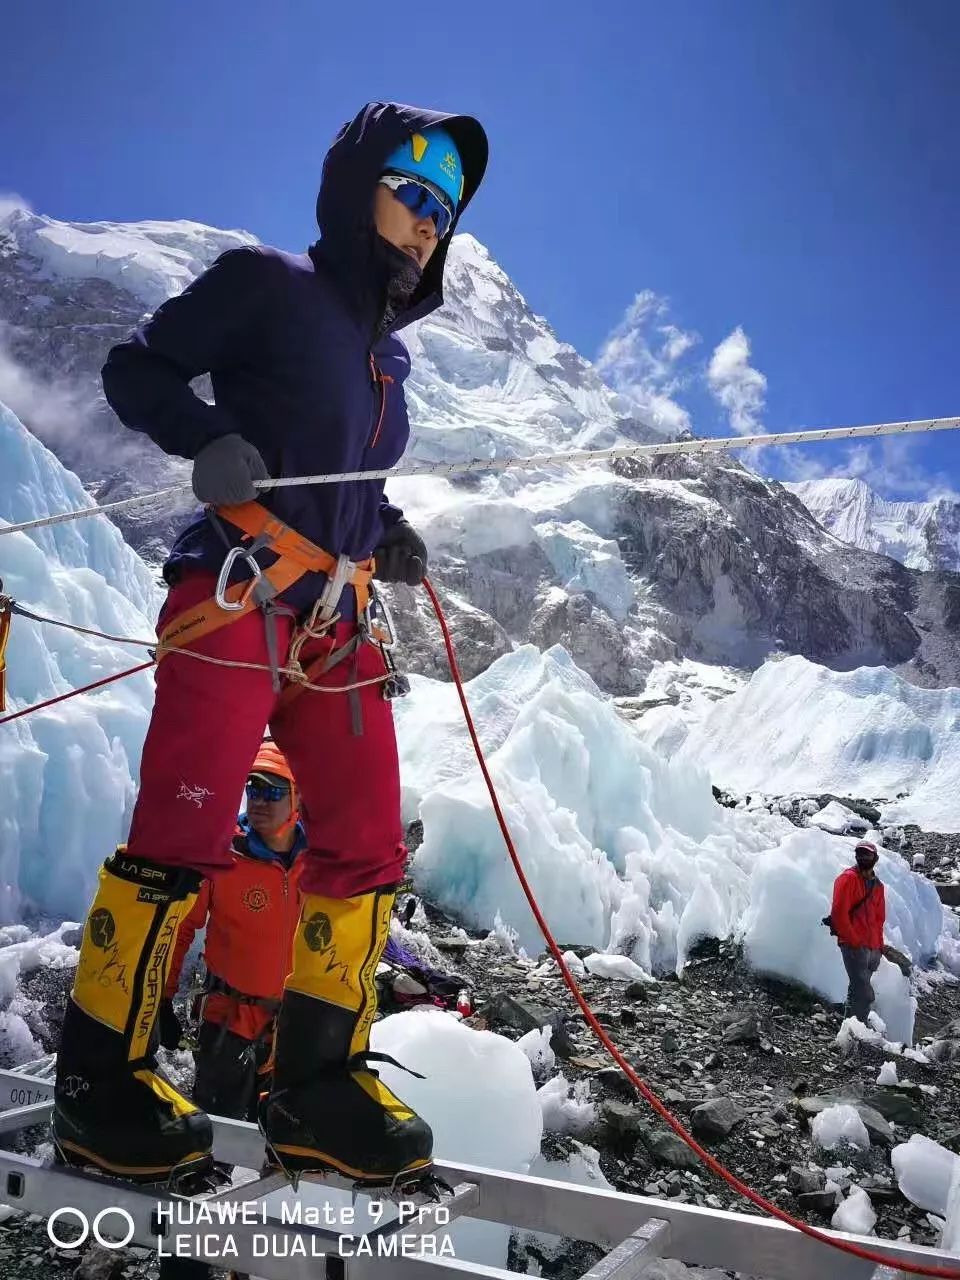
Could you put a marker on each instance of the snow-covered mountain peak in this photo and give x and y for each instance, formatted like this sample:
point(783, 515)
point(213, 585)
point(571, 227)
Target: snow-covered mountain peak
point(150, 260)
point(622, 566)
point(921, 535)
point(488, 363)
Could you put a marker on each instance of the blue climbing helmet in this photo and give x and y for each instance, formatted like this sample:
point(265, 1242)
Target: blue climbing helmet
point(432, 160)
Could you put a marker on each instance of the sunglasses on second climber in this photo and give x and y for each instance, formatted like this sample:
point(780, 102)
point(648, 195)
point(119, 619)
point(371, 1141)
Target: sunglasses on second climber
point(420, 198)
point(271, 792)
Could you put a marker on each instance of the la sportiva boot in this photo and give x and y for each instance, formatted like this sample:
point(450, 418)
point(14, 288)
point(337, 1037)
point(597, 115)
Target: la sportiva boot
point(112, 1109)
point(327, 1108)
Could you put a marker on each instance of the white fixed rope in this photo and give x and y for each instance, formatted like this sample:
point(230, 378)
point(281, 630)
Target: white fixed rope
point(707, 445)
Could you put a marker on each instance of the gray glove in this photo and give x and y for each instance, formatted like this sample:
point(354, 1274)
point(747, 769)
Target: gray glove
point(401, 556)
point(224, 471)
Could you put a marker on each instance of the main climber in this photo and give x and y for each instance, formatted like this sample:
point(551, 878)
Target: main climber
point(307, 374)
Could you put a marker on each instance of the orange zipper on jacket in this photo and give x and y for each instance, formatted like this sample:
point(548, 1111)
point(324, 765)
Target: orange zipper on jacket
point(379, 380)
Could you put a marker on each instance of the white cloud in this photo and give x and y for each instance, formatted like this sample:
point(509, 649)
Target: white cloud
point(10, 202)
point(53, 409)
point(640, 359)
point(899, 468)
point(736, 385)
point(895, 467)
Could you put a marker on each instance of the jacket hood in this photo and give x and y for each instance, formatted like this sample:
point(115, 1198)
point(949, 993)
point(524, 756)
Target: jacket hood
point(345, 202)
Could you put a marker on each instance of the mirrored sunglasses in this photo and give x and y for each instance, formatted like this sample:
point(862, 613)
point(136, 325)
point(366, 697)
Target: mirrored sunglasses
point(266, 791)
point(421, 200)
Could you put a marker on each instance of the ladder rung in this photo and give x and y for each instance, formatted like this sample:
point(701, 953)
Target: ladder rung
point(432, 1215)
point(632, 1256)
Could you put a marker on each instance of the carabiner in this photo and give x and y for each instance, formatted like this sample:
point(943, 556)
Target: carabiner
point(377, 621)
point(232, 556)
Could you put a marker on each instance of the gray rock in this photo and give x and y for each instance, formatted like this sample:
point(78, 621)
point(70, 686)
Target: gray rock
point(526, 1015)
point(881, 1195)
point(612, 1078)
point(637, 991)
point(717, 1118)
point(669, 1043)
point(744, 1030)
point(100, 1264)
point(898, 1106)
point(899, 958)
point(823, 1203)
point(579, 949)
point(623, 1121)
point(943, 1051)
point(668, 1149)
point(803, 1181)
point(677, 1100)
point(453, 946)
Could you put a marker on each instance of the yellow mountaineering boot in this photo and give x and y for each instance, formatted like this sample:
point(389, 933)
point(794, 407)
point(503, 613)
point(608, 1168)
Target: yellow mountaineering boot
point(328, 1110)
point(111, 1107)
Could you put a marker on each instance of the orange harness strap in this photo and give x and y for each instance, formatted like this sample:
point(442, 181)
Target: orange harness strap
point(296, 556)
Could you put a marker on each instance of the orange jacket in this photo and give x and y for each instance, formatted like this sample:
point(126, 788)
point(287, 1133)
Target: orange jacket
point(251, 911)
point(864, 928)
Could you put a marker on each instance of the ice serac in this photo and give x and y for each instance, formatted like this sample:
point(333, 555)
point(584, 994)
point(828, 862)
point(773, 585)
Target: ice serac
point(800, 728)
point(67, 772)
point(625, 851)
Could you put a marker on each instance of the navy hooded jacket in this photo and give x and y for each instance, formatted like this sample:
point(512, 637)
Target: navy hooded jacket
point(292, 348)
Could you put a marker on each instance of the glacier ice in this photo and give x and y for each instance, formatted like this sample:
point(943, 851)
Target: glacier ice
point(925, 1171)
point(856, 1214)
point(70, 769)
point(567, 1107)
point(839, 1124)
point(467, 1073)
point(625, 851)
point(799, 727)
point(888, 1073)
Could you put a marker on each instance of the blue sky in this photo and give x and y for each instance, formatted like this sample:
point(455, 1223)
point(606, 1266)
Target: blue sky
point(757, 199)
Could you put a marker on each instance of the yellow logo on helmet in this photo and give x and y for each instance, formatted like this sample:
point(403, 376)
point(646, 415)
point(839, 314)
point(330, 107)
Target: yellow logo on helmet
point(419, 144)
point(449, 165)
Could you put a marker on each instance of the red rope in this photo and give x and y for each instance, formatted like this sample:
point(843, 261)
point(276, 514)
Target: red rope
point(640, 1085)
point(74, 693)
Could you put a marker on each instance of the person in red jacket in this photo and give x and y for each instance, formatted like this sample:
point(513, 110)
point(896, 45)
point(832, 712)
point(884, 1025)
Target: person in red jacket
point(250, 911)
point(858, 915)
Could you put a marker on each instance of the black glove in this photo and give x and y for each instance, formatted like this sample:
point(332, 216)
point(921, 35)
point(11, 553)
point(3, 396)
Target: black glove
point(171, 1032)
point(401, 556)
point(224, 471)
